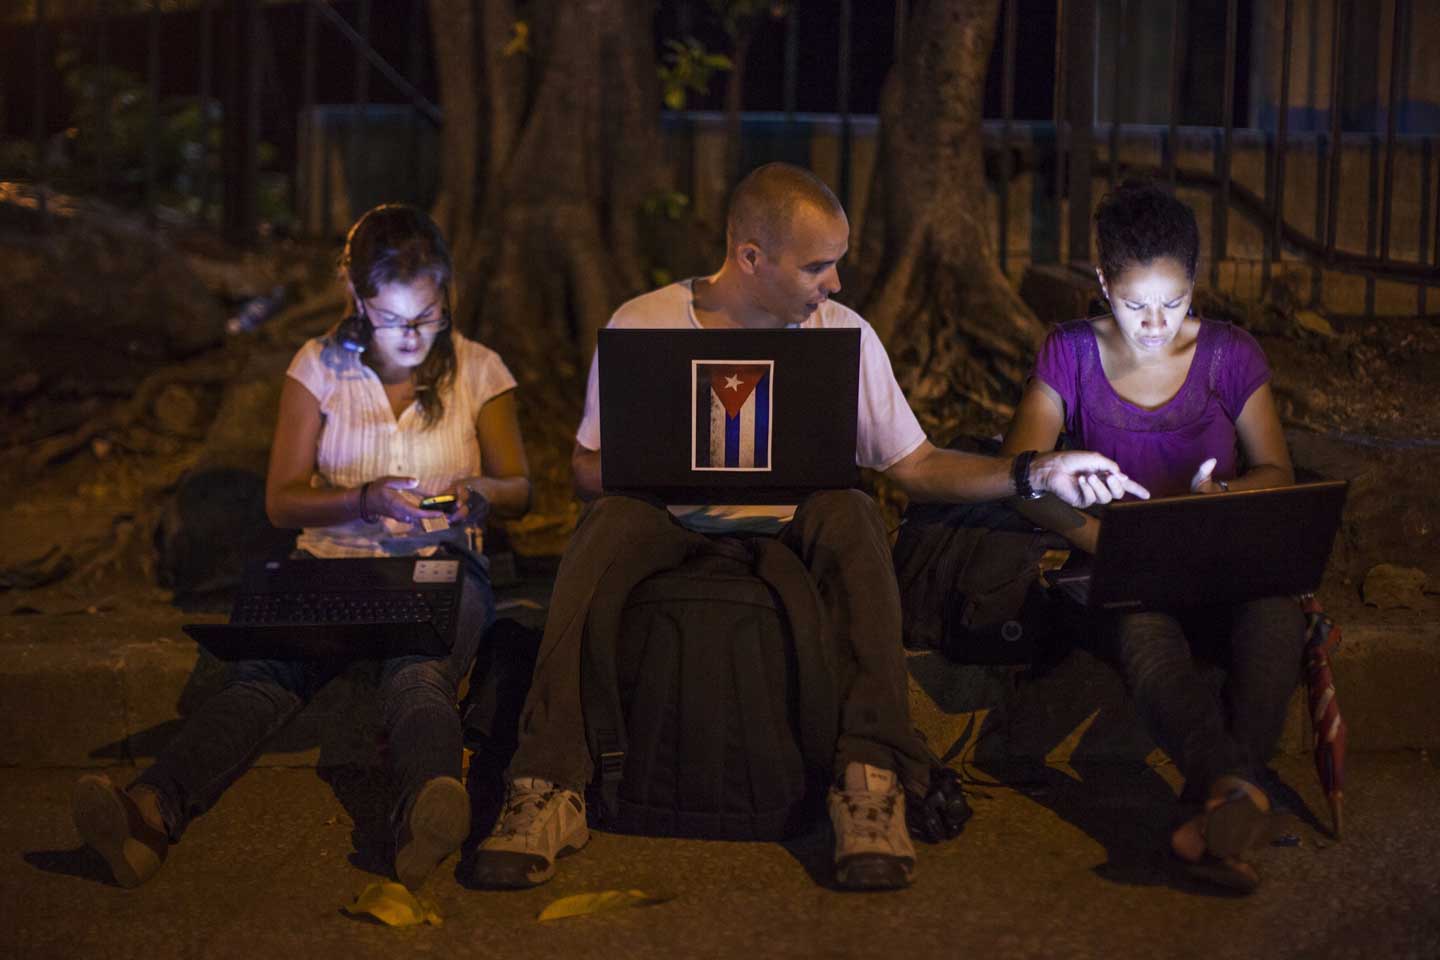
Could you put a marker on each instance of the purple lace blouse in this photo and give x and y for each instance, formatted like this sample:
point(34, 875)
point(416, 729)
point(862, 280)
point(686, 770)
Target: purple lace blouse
point(1159, 448)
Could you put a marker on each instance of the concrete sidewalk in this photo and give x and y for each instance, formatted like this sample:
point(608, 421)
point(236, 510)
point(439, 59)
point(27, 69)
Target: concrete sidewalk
point(105, 689)
point(1058, 868)
point(1064, 856)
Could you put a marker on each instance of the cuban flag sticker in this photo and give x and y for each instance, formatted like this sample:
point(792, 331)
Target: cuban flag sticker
point(730, 425)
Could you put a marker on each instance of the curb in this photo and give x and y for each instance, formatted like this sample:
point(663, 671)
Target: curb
point(1079, 712)
point(102, 697)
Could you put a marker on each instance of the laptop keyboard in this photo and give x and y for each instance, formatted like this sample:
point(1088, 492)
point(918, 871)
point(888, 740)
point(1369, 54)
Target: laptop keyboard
point(330, 609)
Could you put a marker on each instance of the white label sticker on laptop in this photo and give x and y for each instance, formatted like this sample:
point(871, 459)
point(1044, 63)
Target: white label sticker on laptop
point(437, 571)
point(731, 413)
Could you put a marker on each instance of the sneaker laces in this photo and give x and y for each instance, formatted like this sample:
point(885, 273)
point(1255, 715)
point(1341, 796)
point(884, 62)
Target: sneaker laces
point(522, 809)
point(870, 811)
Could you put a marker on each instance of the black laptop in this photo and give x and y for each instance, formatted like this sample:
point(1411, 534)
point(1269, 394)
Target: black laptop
point(728, 416)
point(1205, 549)
point(351, 609)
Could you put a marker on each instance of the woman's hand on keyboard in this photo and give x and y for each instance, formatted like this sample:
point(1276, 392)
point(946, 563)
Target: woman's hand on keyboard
point(1204, 480)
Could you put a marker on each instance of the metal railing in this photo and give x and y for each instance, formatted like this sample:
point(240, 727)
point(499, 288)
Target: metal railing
point(1076, 166)
point(1073, 123)
point(241, 135)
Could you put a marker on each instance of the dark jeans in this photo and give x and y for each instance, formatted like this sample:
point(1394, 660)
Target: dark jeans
point(840, 538)
point(1260, 644)
point(422, 723)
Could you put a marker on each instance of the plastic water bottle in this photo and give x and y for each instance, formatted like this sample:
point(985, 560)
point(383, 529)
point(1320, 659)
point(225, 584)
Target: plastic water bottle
point(256, 311)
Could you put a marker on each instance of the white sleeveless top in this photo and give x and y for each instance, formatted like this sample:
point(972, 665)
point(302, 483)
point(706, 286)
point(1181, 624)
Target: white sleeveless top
point(362, 439)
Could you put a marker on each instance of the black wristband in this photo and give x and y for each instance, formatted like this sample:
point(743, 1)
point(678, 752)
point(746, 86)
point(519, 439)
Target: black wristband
point(364, 514)
point(1020, 475)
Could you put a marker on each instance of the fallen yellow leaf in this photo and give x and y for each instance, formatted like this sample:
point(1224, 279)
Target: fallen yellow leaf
point(583, 903)
point(393, 905)
point(1315, 323)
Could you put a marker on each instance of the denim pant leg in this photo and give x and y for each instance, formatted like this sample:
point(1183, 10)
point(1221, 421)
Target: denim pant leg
point(1267, 641)
point(220, 740)
point(1177, 706)
point(418, 694)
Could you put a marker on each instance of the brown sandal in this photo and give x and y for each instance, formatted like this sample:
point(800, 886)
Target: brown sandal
point(1235, 822)
point(111, 824)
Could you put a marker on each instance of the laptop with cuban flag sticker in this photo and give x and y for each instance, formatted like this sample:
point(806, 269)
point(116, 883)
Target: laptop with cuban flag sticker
point(732, 415)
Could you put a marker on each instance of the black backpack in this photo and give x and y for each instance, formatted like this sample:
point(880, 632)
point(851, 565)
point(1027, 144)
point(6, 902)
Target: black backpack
point(969, 579)
point(710, 697)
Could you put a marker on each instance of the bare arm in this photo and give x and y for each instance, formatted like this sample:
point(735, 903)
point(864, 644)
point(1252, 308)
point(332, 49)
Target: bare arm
point(930, 473)
point(1263, 441)
point(1076, 476)
point(1036, 426)
point(505, 472)
point(585, 467)
point(290, 500)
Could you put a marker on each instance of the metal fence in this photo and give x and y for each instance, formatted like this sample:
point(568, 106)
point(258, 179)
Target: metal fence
point(236, 89)
point(1072, 129)
point(1076, 167)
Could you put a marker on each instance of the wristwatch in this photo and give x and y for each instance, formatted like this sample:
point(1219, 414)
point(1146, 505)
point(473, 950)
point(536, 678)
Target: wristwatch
point(1224, 485)
point(1020, 476)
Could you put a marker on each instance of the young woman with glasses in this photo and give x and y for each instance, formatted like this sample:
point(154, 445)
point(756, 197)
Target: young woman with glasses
point(390, 407)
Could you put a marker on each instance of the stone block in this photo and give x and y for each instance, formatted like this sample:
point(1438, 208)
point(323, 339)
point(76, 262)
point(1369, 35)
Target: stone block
point(61, 701)
point(1079, 714)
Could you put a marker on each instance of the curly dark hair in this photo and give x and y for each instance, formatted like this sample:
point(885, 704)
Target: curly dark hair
point(398, 243)
point(1138, 222)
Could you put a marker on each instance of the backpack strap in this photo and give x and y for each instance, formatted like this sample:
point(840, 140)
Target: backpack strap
point(599, 683)
point(819, 709)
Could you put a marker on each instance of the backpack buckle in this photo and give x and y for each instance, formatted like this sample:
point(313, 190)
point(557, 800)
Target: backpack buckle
point(612, 766)
point(612, 771)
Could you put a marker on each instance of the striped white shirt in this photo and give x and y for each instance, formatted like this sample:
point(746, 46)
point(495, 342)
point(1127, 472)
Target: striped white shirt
point(362, 439)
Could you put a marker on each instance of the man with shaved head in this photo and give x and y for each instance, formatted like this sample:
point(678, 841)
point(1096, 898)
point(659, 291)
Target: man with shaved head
point(785, 236)
point(764, 205)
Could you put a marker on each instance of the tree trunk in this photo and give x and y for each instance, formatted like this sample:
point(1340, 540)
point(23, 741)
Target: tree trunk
point(734, 101)
point(959, 335)
point(549, 154)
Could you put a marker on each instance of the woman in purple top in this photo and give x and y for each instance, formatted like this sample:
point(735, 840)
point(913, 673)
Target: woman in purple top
point(1183, 405)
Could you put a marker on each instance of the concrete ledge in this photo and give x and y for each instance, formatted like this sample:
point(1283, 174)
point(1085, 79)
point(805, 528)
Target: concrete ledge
point(98, 699)
point(1385, 678)
point(101, 696)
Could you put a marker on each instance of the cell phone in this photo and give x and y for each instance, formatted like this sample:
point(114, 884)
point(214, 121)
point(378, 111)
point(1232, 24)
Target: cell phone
point(444, 502)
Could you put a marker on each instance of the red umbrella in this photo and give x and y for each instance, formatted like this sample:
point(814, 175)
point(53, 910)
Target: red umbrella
point(1322, 639)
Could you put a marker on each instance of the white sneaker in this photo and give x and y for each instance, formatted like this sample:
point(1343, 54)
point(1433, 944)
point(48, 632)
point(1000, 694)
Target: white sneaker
point(872, 844)
point(539, 823)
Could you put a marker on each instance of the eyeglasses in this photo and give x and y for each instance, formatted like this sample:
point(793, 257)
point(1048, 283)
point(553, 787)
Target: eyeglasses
point(401, 327)
point(417, 326)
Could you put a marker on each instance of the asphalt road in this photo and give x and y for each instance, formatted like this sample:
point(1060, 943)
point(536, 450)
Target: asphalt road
point(1051, 867)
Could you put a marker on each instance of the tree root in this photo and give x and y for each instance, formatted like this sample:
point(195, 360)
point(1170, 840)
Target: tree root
point(964, 339)
point(97, 556)
point(209, 368)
